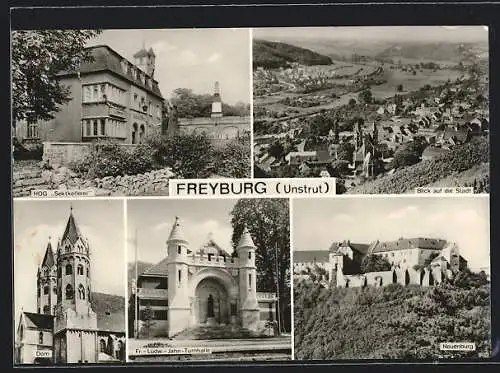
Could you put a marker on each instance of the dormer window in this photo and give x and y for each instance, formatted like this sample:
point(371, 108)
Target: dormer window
point(124, 64)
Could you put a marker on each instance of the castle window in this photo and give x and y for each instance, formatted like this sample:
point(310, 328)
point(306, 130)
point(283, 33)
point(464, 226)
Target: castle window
point(46, 309)
point(81, 292)
point(102, 345)
point(103, 127)
point(210, 257)
point(69, 269)
point(249, 255)
point(69, 292)
point(179, 275)
point(88, 272)
point(54, 290)
point(95, 128)
point(249, 281)
point(54, 309)
point(40, 338)
point(45, 290)
point(88, 293)
point(79, 269)
point(179, 249)
point(33, 131)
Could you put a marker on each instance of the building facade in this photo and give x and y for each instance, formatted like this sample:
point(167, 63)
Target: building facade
point(207, 286)
point(66, 328)
point(111, 98)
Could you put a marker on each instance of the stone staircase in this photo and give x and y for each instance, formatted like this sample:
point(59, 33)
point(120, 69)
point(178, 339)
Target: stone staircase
point(214, 332)
point(27, 179)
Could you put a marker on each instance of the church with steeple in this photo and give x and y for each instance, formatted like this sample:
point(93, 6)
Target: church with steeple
point(72, 324)
point(201, 287)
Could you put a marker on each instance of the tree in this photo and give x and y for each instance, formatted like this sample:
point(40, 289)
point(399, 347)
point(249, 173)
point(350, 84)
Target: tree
point(233, 160)
point(37, 58)
point(374, 263)
point(408, 154)
point(345, 152)
point(276, 150)
point(365, 96)
point(338, 167)
point(148, 318)
point(352, 102)
point(267, 220)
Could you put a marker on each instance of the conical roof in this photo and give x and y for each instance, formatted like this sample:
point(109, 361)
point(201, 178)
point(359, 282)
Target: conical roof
point(142, 53)
point(48, 259)
point(246, 239)
point(71, 232)
point(176, 234)
point(151, 52)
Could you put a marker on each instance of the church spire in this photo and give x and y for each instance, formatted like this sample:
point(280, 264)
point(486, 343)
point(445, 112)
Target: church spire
point(71, 232)
point(48, 259)
point(246, 239)
point(177, 234)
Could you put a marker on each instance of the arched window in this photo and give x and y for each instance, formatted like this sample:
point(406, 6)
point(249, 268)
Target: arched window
point(249, 255)
point(102, 345)
point(46, 290)
point(81, 292)
point(40, 338)
point(54, 290)
point(69, 292)
point(79, 269)
point(69, 269)
point(59, 272)
point(88, 293)
point(88, 272)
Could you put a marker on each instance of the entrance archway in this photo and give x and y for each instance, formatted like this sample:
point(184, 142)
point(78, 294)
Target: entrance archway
point(211, 304)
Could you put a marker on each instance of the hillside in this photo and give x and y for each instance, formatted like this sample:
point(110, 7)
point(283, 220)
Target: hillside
point(269, 54)
point(424, 173)
point(392, 322)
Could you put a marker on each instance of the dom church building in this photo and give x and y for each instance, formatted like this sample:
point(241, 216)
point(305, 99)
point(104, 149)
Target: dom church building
point(72, 324)
point(203, 287)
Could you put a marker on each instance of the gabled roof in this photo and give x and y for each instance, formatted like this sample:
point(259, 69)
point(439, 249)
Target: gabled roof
point(48, 260)
point(410, 243)
point(309, 256)
point(71, 232)
point(211, 245)
point(359, 247)
point(106, 59)
point(38, 320)
point(158, 269)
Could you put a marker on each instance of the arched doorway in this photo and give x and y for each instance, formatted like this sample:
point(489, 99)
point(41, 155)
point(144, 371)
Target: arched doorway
point(211, 302)
point(142, 134)
point(394, 277)
point(407, 277)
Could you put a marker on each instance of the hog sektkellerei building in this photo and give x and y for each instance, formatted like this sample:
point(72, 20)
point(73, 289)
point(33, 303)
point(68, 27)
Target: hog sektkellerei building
point(207, 286)
point(72, 323)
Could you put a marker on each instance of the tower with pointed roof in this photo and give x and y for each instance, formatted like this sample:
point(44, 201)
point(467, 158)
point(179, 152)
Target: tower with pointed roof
point(177, 267)
point(47, 283)
point(247, 281)
point(216, 103)
point(75, 327)
point(144, 59)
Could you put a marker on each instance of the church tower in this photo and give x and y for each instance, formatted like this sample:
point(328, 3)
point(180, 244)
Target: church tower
point(177, 267)
point(75, 330)
point(248, 281)
point(145, 60)
point(216, 103)
point(47, 283)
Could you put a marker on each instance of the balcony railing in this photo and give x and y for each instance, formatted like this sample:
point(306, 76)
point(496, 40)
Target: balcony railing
point(152, 293)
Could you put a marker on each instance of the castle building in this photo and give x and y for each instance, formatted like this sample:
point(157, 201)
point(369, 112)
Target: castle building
point(67, 328)
point(111, 98)
point(205, 286)
point(217, 127)
point(420, 261)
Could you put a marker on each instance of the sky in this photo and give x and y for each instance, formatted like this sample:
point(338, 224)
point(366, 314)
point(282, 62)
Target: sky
point(154, 219)
point(191, 58)
point(378, 33)
point(464, 220)
point(101, 221)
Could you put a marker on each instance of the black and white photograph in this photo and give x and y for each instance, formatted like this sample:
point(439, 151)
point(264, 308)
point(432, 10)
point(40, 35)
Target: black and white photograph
point(121, 112)
point(392, 278)
point(69, 282)
point(209, 280)
point(384, 110)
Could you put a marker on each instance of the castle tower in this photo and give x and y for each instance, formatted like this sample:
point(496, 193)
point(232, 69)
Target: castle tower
point(75, 330)
point(216, 103)
point(145, 60)
point(47, 283)
point(177, 267)
point(248, 281)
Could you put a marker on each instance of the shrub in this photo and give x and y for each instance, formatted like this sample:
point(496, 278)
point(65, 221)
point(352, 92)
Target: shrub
point(233, 160)
point(33, 151)
point(189, 156)
point(110, 159)
point(374, 263)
